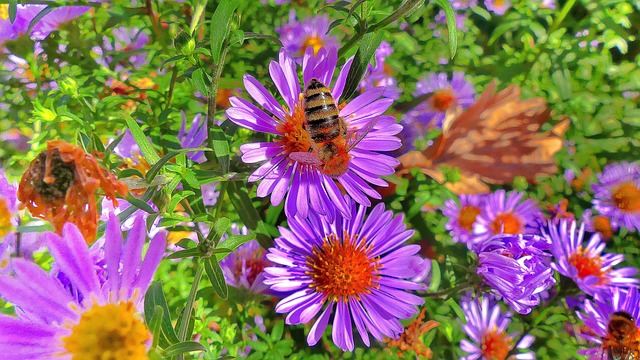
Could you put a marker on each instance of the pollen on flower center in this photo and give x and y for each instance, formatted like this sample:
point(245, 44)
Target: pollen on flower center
point(467, 217)
point(295, 137)
point(627, 197)
point(342, 268)
point(52, 180)
point(5, 218)
point(586, 265)
point(506, 223)
point(496, 345)
point(315, 42)
point(442, 100)
point(4, 11)
point(111, 331)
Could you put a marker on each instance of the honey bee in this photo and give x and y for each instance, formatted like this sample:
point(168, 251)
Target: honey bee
point(330, 141)
point(623, 338)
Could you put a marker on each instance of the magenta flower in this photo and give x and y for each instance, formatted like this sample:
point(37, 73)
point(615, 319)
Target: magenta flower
point(51, 322)
point(498, 7)
point(592, 271)
point(462, 216)
point(617, 195)
point(517, 269)
point(308, 185)
point(243, 268)
point(297, 36)
point(487, 329)
point(358, 267)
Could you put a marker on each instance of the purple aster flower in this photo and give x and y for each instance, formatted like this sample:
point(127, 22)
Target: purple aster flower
point(52, 323)
point(14, 138)
point(600, 224)
point(314, 184)
point(446, 95)
point(45, 26)
point(358, 267)
point(194, 137)
point(505, 213)
point(617, 195)
point(497, 6)
point(297, 36)
point(125, 40)
point(585, 264)
point(487, 328)
point(243, 268)
point(463, 215)
point(618, 311)
point(210, 193)
point(517, 268)
point(381, 74)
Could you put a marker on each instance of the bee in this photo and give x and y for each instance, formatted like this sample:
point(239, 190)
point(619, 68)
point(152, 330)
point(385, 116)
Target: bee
point(623, 338)
point(330, 141)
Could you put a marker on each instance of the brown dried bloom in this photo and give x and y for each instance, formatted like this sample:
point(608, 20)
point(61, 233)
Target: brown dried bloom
point(410, 339)
point(60, 184)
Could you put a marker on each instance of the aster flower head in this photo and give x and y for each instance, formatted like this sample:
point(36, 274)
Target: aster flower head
point(498, 7)
point(585, 264)
point(314, 185)
point(60, 184)
point(357, 268)
point(462, 216)
point(600, 224)
point(446, 95)
point(516, 267)
point(45, 26)
point(297, 35)
point(506, 213)
point(51, 322)
point(125, 40)
point(243, 268)
point(194, 136)
point(617, 195)
point(487, 329)
point(619, 311)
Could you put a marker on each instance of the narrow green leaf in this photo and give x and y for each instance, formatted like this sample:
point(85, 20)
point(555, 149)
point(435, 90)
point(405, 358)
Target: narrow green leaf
point(142, 205)
point(155, 325)
point(367, 49)
point(13, 10)
point(155, 297)
point(221, 226)
point(157, 166)
point(220, 147)
point(236, 37)
point(252, 35)
point(248, 214)
point(183, 347)
point(232, 243)
point(185, 253)
point(451, 25)
point(277, 331)
point(171, 60)
point(220, 23)
point(435, 276)
point(201, 81)
point(214, 272)
point(36, 19)
point(143, 143)
point(114, 143)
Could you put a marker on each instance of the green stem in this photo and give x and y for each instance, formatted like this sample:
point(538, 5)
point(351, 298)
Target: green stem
point(197, 15)
point(211, 102)
point(188, 306)
point(174, 77)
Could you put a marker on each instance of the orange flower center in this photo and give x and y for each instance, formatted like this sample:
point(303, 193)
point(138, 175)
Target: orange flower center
point(341, 269)
point(5, 218)
point(498, 3)
point(249, 264)
point(442, 100)
point(602, 224)
point(496, 346)
point(587, 266)
point(506, 223)
point(627, 197)
point(467, 217)
point(295, 137)
point(315, 42)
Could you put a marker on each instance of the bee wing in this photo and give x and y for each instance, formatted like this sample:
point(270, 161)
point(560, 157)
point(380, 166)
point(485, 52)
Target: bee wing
point(361, 133)
point(305, 158)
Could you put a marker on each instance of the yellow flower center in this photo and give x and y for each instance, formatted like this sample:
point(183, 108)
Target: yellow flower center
point(498, 3)
point(108, 332)
point(295, 137)
point(506, 223)
point(496, 345)
point(315, 42)
point(5, 218)
point(627, 197)
point(4, 11)
point(602, 224)
point(342, 269)
point(468, 216)
point(587, 266)
point(442, 100)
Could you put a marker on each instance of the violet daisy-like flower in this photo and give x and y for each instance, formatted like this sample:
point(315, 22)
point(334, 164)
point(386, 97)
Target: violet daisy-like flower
point(617, 195)
point(498, 7)
point(357, 268)
point(506, 213)
point(297, 35)
point(308, 185)
point(600, 224)
point(446, 95)
point(517, 268)
point(125, 40)
point(462, 216)
point(45, 25)
point(585, 264)
point(487, 328)
point(51, 322)
point(381, 74)
point(613, 321)
point(194, 136)
point(243, 268)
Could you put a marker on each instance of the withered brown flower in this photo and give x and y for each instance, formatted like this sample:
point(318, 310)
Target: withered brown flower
point(60, 185)
point(410, 339)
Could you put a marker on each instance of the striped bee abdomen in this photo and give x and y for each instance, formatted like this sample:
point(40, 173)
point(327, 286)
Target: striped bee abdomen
point(321, 112)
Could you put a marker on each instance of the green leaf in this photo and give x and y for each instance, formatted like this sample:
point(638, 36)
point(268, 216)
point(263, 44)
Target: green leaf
point(183, 347)
point(220, 23)
point(252, 35)
point(248, 214)
point(13, 10)
point(451, 25)
point(221, 226)
point(367, 49)
point(157, 166)
point(155, 297)
point(185, 253)
point(435, 276)
point(142, 205)
point(201, 81)
point(236, 37)
point(143, 143)
point(214, 272)
point(155, 324)
point(220, 147)
point(171, 60)
point(39, 17)
point(277, 331)
point(232, 243)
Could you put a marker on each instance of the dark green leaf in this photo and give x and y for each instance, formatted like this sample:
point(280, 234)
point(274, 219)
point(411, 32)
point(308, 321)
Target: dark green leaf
point(185, 253)
point(451, 25)
point(248, 214)
point(220, 23)
point(368, 46)
point(171, 60)
point(214, 272)
point(183, 347)
point(13, 10)
point(143, 143)
point(155, 324)
point(220, 147)
point(232, 243)
point(155, 297)
point(201, 81)
point(140, 204)
point(221, 226)
point(157, 166)
point(39, 17)
point(252, 35)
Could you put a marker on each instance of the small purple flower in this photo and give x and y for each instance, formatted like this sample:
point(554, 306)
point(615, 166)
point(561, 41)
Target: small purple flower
point(125, 40)
point(14, 138)
point(381, 74)
point(462, 216)
point(586, 265)
point(487, 328)
point(51, 322)
point(600, 224)
point(446, 95)
point(548, 4)
point(517, 268)
point(619, 307)
point(45, 26)
point(297, 36)
point(498, 6)
point(193, 137)
point(506, 213)
point(463, 4)
point(243, 268)
point(312, 185)
point(617, 195)
point(358, 268)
